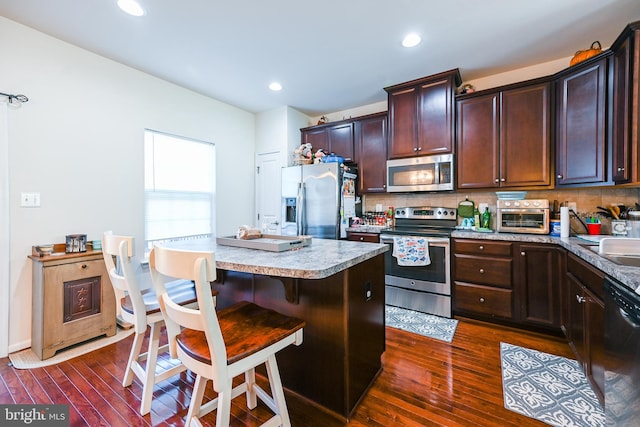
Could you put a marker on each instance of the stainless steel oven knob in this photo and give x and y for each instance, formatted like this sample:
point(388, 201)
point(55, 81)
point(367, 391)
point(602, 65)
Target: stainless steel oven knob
point(526, 203)
point(507, 204)
point(516, 204)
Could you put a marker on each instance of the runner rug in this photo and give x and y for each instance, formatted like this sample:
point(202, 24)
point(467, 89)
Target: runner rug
point(549, 388)
point(428, 325)
point(27, 359)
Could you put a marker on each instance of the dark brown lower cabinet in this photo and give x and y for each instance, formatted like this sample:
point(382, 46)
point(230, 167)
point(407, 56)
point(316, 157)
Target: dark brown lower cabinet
point(517, 283)
point(540, 277)
point(583, 319)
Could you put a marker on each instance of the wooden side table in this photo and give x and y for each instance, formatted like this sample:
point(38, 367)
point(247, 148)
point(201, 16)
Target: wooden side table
point(73, 301)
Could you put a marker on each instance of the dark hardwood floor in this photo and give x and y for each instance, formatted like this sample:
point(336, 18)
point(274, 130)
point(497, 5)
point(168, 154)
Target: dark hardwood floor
point(424, 382)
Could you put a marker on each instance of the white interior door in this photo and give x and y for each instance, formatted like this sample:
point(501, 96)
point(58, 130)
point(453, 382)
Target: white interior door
point(268, 192)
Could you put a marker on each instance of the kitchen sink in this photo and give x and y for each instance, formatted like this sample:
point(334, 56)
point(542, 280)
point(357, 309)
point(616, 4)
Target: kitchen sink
point(619, 250)
point(628, 260)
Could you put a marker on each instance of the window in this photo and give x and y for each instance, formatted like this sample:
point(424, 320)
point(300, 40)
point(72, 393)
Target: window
point(179, 188)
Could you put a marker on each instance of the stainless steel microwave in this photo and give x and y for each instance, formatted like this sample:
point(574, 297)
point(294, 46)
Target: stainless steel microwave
point(425, 173)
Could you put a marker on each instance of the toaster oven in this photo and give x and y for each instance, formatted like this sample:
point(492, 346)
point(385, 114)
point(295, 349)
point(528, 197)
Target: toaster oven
point(523, 216)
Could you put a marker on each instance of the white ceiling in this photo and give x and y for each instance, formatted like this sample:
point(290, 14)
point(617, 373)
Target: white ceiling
point(330, 55)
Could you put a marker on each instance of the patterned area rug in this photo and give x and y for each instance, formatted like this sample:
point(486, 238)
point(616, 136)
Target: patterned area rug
point(549, 388)
point(428, 325)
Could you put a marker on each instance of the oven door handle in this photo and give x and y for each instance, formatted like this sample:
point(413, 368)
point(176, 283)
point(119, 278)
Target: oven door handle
point(388, 238)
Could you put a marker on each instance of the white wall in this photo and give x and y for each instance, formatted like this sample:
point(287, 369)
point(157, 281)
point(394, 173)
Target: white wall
point(79, 143)
point(508, 77)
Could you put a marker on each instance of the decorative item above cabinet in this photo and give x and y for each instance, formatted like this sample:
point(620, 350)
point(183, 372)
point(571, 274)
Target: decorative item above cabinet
point(422, 115)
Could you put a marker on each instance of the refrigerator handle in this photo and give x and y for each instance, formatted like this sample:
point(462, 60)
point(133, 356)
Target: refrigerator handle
point(300, 208)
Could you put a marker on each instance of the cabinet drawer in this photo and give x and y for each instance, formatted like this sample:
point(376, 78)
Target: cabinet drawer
point(484, 270)
point(78, 270)
point(482, 247)
point(363, 237)
point(591, 277)
point(483, 300)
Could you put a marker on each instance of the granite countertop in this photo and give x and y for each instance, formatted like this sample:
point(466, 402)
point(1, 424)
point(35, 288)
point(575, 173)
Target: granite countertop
point(323, 258)
point(629, 276)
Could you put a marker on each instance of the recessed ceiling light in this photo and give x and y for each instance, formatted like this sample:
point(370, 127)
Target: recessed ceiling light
point(132, 7)
point(411, 40)
point(275, 86)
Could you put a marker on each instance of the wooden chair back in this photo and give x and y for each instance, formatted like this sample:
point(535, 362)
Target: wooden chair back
point(121, 248)
point(198, 266)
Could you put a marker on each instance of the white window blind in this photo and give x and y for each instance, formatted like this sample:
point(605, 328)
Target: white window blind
point(179, 188)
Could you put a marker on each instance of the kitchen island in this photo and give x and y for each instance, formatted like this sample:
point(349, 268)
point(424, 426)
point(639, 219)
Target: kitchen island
point(337, 287)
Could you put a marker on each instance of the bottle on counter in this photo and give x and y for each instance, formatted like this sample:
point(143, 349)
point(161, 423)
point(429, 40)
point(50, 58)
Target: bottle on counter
point(390, 217)
point(476, 217)
point(486, 218)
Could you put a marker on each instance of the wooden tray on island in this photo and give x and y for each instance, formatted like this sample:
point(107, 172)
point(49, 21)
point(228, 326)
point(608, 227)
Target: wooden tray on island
point(268, 242)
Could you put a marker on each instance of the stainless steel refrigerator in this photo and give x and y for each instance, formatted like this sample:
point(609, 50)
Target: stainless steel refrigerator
point(318, 200)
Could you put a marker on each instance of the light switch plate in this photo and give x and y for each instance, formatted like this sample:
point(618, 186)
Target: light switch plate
point(30, 200)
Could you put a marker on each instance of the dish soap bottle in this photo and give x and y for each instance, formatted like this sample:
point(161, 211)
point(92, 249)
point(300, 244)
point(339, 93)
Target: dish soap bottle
point(486, 218)
point(476, 217)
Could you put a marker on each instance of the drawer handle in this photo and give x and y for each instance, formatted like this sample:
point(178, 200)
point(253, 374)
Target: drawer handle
point(362, 239)
point(84, 265)
point(481, 248)
point(580, 299)
point(482, 271)
point(523, 253)
point(620, 169)
point(481, 299)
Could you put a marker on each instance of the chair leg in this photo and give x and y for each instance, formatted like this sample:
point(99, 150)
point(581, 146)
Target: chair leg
point(150, 369)
point(196, 399)
point(223, 415)
point(133, 358)
point(250, 380)
point(276, 390)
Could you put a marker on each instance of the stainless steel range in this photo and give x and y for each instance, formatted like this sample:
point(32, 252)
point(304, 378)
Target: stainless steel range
point(425, 286)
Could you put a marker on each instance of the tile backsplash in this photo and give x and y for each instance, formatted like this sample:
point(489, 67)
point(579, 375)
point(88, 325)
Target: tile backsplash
point(586, 200)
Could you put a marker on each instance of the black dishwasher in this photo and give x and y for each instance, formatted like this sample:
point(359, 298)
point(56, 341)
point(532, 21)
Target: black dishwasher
point(622, 361)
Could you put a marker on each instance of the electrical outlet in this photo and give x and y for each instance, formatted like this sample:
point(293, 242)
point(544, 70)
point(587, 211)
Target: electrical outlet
point(30, 200)
point(572, 206)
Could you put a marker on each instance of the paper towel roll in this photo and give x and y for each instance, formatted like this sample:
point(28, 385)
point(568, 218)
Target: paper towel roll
point(564, 222)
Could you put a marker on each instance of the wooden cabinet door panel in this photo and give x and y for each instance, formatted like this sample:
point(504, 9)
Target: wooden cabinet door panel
point(341, 140)
point(478, 142)
point(594, 314)
point(539, 292)
point(435, 117)
point(371, 144)
point(581, 127)
point(402, 123)
point(524, 136)
point(621, 115)
point(318, 138)
point(576, 320)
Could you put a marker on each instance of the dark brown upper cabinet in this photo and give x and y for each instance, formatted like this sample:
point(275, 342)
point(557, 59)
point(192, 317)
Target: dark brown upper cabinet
point(335, 138)
point(422, 115)
point(503, 137)
point(624, 107)
point(371, 152)
point(581, 123)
